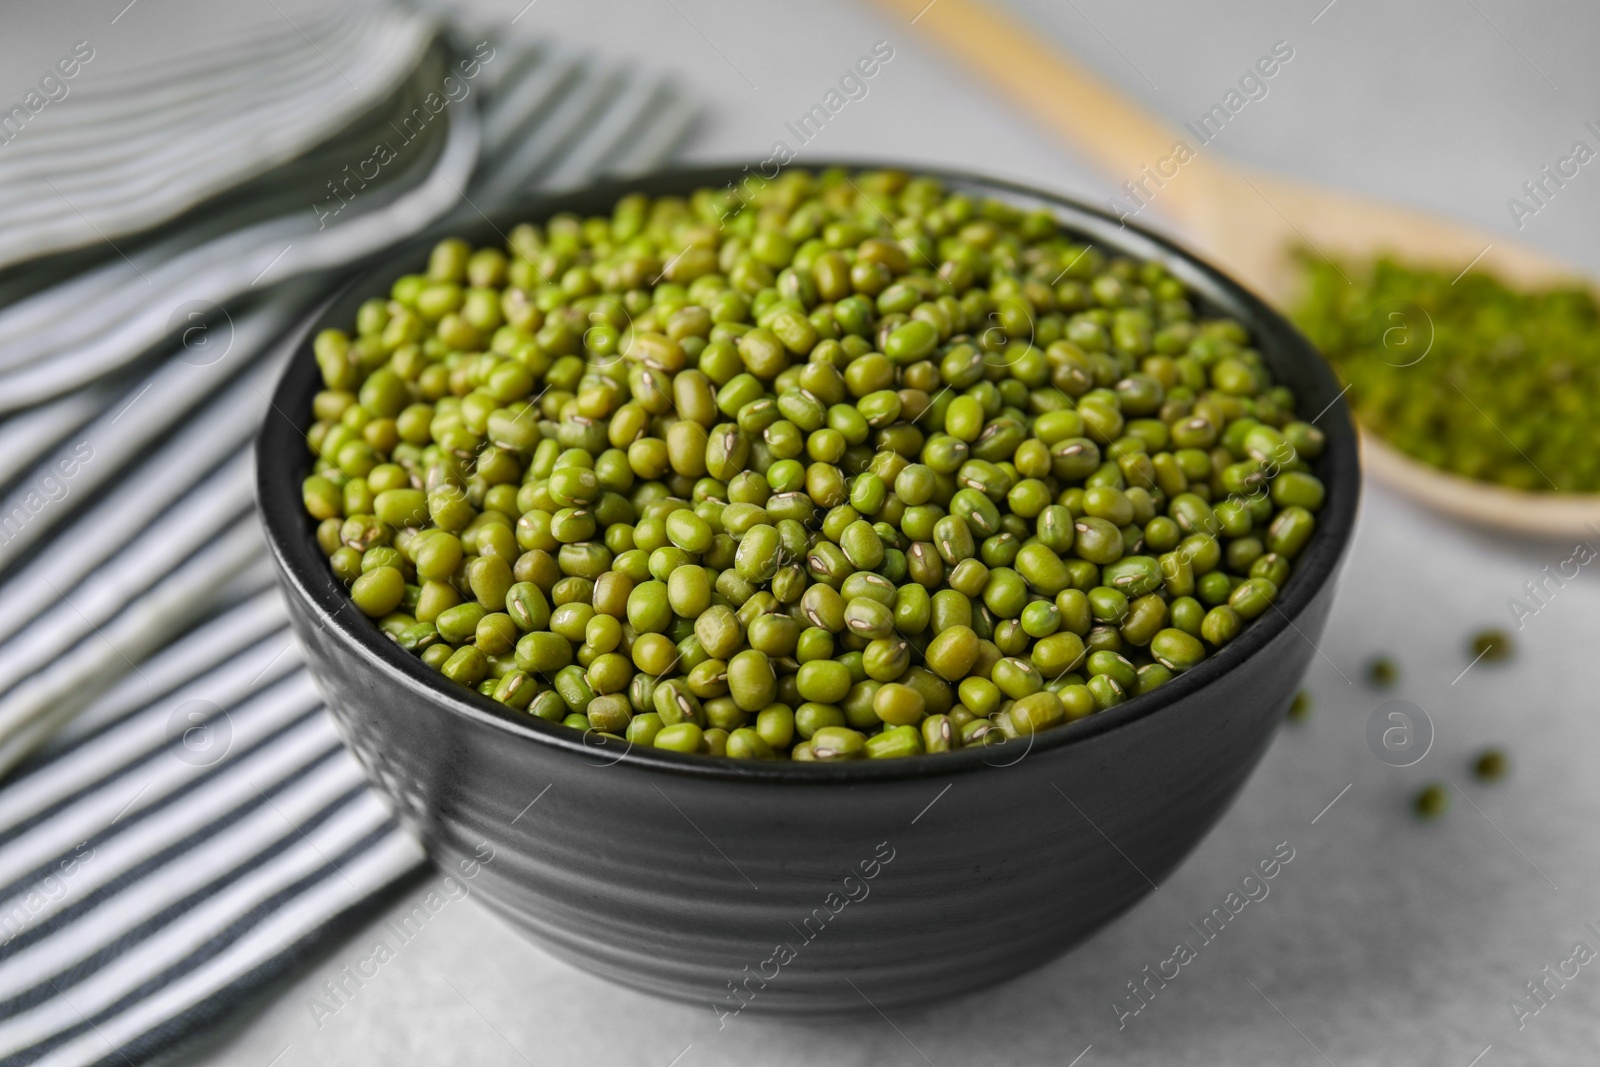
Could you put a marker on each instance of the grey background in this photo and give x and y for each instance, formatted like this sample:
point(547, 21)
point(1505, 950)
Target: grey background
point(1385, 940)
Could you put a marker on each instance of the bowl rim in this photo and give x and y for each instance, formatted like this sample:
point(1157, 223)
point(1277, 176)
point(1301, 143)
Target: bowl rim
point(303, 572)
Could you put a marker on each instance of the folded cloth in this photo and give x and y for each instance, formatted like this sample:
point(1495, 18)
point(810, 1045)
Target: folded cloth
point(84, 172)
point(198, 830)
point(179, 823)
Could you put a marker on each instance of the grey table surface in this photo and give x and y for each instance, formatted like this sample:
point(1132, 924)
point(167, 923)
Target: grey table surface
point(1385, 940)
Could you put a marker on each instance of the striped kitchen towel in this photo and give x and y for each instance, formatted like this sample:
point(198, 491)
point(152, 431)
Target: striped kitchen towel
point(180, 846)
point(179, 822)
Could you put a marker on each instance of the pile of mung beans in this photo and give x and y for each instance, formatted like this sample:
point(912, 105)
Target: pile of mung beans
point(1463, 372)
point(830, 467)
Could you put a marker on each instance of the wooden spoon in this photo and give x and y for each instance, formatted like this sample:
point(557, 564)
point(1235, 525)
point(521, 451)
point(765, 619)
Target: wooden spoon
point(1249, 222)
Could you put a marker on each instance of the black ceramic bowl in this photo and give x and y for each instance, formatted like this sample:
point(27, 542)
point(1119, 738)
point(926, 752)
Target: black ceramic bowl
point(805, 887)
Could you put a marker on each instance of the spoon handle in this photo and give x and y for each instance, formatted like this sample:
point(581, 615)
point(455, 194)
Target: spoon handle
point(1116, 132)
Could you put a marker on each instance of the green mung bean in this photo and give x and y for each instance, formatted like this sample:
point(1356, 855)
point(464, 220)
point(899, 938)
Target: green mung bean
point(762, 473)
point(1460, 370)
